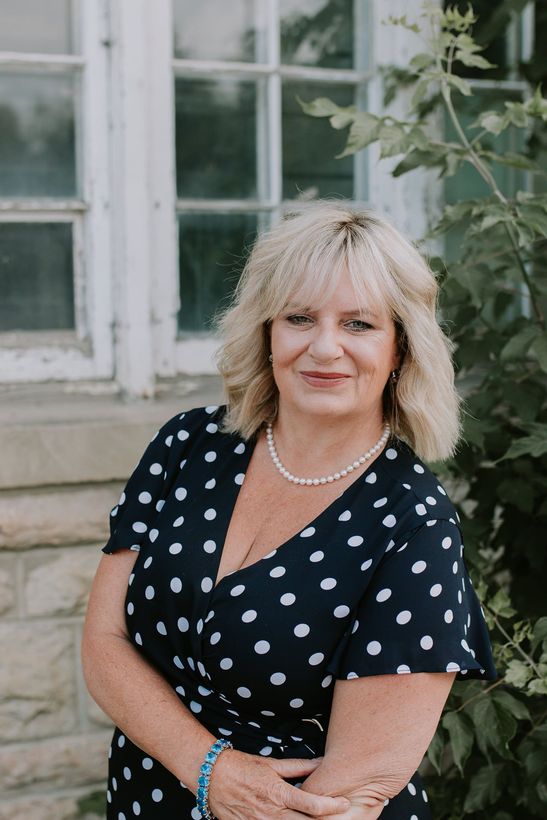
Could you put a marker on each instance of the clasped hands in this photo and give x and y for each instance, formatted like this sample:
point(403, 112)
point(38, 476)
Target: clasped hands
point(248, 787)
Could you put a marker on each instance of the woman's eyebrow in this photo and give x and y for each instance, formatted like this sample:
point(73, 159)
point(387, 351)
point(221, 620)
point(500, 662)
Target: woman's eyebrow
point(352, 312)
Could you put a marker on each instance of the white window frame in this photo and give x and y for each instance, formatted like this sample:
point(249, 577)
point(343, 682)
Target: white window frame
point(86, 352)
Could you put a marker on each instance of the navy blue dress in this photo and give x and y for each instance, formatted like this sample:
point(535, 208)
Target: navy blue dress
point(376, 584)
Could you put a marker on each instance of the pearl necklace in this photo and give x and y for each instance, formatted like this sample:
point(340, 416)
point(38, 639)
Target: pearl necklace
point(328, 479)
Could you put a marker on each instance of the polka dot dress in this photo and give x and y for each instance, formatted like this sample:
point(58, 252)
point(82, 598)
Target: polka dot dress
point(375, 584)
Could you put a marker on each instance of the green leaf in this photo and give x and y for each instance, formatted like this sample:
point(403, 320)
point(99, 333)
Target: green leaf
point(539, 350)
point(534, 445)
point(364, 130)
point(460, 731)
point(539, 632)
point(419, 93)
point(511, 704)
point(517, 673)
point(501, 604)
point(459, 83)
point(320, 107)
point(517, 347)
point(435, 750)
point(491, 121)
point(393, 140)
point(473, 60)
point(422, 60)
point(485, 788)
point(495, 726)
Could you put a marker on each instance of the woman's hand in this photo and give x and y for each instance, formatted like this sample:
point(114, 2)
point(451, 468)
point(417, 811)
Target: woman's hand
point(249, 787)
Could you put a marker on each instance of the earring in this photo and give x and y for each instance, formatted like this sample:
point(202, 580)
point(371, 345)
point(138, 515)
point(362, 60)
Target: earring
point(394, 375)
point(270, 358)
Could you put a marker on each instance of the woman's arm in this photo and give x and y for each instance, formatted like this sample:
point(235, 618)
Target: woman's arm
point(143, 705)
point(379, 730)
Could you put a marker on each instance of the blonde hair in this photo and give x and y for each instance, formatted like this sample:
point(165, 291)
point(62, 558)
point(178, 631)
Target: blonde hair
point(304, 255)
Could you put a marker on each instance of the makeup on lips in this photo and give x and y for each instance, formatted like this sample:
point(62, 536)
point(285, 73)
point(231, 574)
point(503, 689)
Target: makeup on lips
point(328, 379)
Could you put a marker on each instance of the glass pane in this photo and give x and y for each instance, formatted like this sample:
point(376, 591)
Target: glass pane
point(35, 25)
point(36, 278)
point(318, 32)
point(216, 127)
point(220, 30)
point(212, 252)
point(37, 135)
point(310, 145)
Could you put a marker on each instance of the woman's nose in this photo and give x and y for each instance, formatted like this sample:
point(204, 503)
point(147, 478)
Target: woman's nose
point(325, 343)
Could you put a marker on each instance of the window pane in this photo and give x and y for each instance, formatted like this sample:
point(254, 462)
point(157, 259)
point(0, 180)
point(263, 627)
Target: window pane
point(37, 141)
point(212, 252)
point(310, 145)
point(35, 25)
point(36, 278)
point(220, 30)
point(319, 32)
point(216, 138)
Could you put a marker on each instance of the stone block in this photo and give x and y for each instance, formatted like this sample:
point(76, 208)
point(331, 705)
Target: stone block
point(49, 807)
point(37, 680)
point(49, 518)
point(7, 585)
point(57, 582)
point(60, 763)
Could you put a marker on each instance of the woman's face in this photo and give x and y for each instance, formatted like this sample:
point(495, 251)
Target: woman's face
point(336, 360)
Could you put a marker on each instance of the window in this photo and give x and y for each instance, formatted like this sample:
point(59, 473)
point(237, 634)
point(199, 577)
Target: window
point(244, 148)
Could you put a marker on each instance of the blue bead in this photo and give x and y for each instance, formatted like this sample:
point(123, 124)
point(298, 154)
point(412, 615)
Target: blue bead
point(206, 768)
point(203, 781)
point(210, 757)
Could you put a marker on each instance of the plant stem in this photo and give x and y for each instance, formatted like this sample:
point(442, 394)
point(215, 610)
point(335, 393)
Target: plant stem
point(512, 643)
point(480, 694)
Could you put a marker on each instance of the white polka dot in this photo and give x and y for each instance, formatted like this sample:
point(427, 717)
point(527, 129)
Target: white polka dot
point(160, 626)
point(412, 788)
point(136, 808)
point(277, 572)
point(455, 567)
point(374, 647)
point(460, 597)
point(212, 427)
point(403, 669)
point(199, 626)
point(127, 772)
point(424, 796)
point(366, 564)
point(389, 521)
point(278, 678)
point(156, 468)
point(301, 630)
point(431, 500)
point(176, 584)
point(355, 626)
point(266, 750)
point(418, 468)
point(182, 435)
point(465, 645)
point(195, 707)
point(446, 542)
point(157, 795)
point(147, 763)
point(147, 562)
point(316, 658)
point(226, 663)
point(326, 681)
point(149, 592)
point(404, 616)
point(239, 478)
point(420, 509)
point(296, 703)
point(391, 453)
point(345, 516)
point(237, 590)
point(210, 514)
point(383, 595)
point(178, 521)
point(261, 647)
point(248, 616)
point(183, 624)
point(180, 690)
point(309, 531)
point(195, 814)
point(211, 484)
point(287, 599)
point(139, 526)
point(341, 611)
point(211, 408)
point(317, 556)
point(435, 590)
point(138, 638)
point(381, 502)
point(452, 667)
point(207, 584)
point(145, 498)
point(355, 540)
point(209, 546)
point(426, 642)
point(178, 663)
point(121, 741)
point(418, 566)
point(175, 548)
point(130, 608)
point(215, 638)
point(371, 478)
point(448, 616)
point(243, 692)
point(328, 583)
point(210, 456)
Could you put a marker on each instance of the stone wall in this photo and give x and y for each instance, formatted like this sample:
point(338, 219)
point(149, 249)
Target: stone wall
point(61, 471)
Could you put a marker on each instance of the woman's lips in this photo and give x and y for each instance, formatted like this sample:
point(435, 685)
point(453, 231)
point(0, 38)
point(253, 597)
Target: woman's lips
point(323, 379)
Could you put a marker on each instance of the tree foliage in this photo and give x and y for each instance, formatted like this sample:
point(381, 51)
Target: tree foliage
point(488, 758)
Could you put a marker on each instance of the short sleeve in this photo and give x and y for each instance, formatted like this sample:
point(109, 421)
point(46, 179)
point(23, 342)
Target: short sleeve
point(420, 613)
point(132, 519)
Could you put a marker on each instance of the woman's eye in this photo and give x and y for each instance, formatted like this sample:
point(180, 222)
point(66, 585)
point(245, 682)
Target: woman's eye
point(298, 319)
point(359, 324)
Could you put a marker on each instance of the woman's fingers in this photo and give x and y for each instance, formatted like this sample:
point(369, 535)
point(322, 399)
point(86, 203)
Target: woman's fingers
point(314, 805)
point(294, 766)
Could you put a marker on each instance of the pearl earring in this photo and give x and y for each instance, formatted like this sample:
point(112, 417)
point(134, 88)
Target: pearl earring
point(270, 358)
point(394, 375)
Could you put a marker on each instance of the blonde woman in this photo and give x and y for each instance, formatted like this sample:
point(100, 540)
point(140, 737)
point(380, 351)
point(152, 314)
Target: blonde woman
point(288, 604)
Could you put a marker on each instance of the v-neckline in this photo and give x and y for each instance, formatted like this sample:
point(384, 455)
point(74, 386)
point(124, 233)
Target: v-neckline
point(230, 511)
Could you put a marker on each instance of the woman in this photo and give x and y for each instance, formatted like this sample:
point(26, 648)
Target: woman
point(313, 614)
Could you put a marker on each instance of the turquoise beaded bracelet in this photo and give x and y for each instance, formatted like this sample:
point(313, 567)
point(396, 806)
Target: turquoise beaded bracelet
point(211, 758)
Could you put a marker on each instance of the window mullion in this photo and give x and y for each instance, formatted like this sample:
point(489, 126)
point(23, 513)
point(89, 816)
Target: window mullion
point(275, 108)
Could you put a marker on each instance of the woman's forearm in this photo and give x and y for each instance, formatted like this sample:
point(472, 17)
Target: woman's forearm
point(143, 705)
